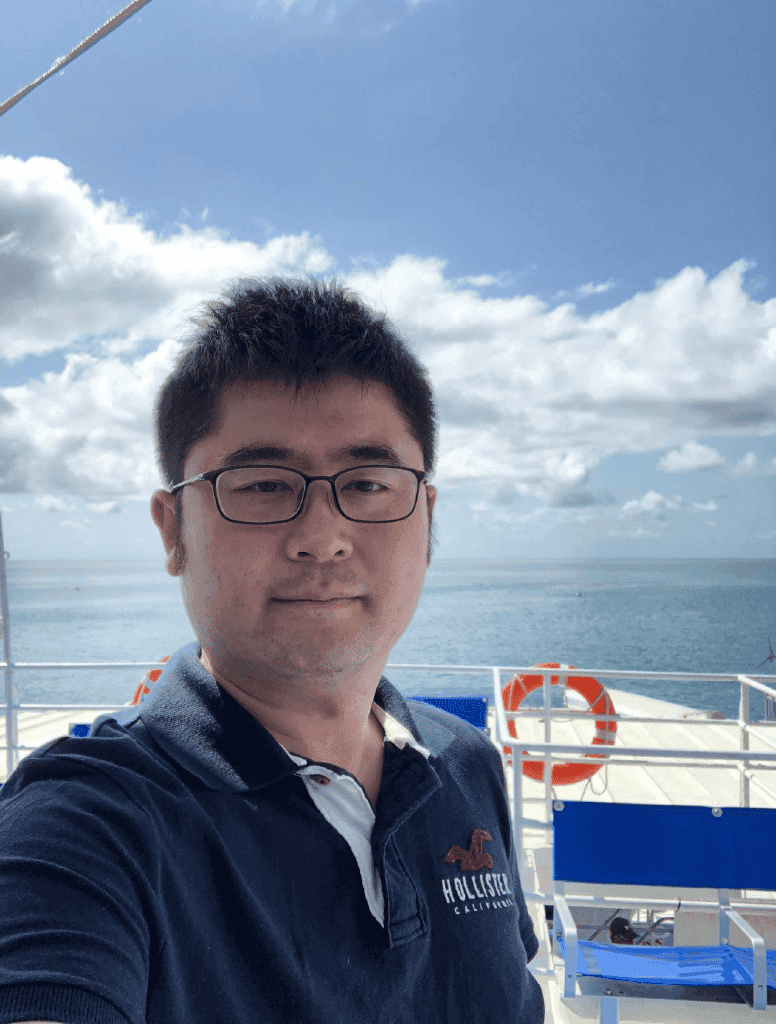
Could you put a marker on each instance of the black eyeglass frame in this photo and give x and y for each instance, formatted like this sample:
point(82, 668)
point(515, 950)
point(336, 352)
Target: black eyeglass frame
point(212, 476)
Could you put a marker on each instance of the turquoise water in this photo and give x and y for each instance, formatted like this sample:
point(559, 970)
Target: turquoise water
point(712, 615)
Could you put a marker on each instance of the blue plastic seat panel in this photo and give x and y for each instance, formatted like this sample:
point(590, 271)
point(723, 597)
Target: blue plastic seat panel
point(677, 965)
point(665, 845)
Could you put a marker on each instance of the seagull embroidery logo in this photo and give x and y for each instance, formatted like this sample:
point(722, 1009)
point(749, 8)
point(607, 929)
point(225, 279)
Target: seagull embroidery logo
point(473, 859)
point(483, 889)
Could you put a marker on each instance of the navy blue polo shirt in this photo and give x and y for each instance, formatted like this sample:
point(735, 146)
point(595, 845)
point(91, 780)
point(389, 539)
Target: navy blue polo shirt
point(172, 868)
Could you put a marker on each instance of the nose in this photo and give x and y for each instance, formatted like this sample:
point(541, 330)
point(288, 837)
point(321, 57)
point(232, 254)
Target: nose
point(319, 532)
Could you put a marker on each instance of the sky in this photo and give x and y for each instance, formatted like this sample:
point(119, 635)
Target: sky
point(566, 208)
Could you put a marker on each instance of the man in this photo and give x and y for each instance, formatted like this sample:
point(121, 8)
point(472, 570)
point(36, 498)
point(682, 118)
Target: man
point(275, 835)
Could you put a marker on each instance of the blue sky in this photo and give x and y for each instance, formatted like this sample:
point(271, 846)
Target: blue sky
point(567, 209)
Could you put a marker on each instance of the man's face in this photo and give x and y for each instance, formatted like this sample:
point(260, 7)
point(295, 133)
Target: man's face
point(239, 581)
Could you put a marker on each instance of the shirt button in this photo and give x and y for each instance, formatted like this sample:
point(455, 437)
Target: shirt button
point(322, 780)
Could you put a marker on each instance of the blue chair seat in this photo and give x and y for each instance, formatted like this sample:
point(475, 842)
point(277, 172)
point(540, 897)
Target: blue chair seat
point(678, 965)
point(672, 847)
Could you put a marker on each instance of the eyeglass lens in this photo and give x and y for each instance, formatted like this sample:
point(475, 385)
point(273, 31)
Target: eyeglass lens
point(269, 494)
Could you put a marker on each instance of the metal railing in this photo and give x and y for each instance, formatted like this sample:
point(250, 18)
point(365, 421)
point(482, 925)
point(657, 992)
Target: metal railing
point(12, 707)
point(744, 759)
point(547, 750)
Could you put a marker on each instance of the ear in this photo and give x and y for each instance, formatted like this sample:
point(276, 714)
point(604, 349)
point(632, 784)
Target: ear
point(431, 496)
point(163, 514)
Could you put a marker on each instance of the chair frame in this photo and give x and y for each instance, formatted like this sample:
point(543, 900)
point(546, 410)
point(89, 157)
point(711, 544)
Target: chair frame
point(609, 1010)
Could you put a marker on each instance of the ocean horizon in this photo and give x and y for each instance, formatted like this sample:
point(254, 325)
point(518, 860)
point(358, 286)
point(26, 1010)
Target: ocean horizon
point(699, 615)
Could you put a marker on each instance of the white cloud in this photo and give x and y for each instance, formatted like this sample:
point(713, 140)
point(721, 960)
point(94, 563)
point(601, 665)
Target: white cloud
point(652, 502)
point(703, 506)
point(595, 289)
point(746, 466)
point(72, 266)
point(87, 430)
point(104, 506)
point(689, 457)
point(529, 394)
point(636, 533)
point(750, 465)
point(52, 503)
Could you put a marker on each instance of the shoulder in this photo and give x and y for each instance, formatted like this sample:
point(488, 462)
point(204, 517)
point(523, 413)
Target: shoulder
point(454, 742)
point(110, 768)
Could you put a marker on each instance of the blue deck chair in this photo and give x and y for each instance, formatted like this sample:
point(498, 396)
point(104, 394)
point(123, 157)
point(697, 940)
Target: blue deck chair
point(471, 709)
point(671, 846)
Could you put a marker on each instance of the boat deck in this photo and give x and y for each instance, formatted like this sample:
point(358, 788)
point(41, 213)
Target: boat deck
point(699, 784)
point(695, 784)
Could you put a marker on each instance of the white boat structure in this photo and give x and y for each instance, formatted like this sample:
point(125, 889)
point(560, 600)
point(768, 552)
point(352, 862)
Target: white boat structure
point(670, 847)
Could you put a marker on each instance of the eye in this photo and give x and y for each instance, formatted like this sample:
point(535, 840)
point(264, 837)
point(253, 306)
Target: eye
point(366, 486)
point(261, 487)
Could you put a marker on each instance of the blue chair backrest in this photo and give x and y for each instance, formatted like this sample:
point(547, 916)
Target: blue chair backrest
point(655, 844)
point(471, 709)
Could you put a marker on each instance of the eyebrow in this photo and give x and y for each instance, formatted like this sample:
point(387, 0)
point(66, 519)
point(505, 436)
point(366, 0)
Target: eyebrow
point(257, 454)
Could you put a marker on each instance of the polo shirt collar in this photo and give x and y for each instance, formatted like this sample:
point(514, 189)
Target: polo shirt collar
point(206, 731)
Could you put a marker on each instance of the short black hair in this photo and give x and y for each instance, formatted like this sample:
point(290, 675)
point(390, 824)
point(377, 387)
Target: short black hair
point(299, 332)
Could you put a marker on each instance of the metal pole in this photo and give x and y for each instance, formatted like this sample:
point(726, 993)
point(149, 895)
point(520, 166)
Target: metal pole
point(11, 733)
point(743, 718)
point(547, 694)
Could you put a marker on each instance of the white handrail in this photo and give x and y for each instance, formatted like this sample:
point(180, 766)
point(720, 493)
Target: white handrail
point(742, 759)
point(546, 749)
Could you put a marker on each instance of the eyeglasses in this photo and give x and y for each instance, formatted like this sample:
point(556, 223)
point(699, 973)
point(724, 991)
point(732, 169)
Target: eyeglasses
point(263, 495)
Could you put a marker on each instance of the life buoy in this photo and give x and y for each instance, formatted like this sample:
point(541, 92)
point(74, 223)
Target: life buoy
point(146, 683)
point(518, 688)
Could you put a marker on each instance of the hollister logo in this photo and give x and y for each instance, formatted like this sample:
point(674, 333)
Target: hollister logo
point(473, 859)
point(484, 891)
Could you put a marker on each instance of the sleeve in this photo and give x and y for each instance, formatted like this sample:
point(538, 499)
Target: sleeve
point(75, 904)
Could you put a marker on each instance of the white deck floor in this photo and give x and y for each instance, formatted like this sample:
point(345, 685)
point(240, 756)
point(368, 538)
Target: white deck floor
point(650, 784)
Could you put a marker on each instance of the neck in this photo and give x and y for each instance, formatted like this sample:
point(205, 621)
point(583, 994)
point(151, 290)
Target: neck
point(329, 726)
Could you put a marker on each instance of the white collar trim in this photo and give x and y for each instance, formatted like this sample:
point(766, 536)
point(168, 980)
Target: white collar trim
point(396, 733)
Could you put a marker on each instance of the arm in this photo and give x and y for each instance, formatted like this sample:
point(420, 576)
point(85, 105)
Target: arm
point(73, 924)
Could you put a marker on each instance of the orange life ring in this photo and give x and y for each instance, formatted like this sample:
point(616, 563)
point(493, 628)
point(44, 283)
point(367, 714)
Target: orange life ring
point(146, 683)
point(518, 688)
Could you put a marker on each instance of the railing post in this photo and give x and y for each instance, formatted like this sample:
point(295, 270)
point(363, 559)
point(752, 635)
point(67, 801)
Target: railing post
point(517, 791)
point(11, 721)
point(547, 693)
point(743, 718)
point(517, 805)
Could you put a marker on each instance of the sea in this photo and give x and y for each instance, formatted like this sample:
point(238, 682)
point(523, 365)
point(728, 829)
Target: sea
point(680, 615)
